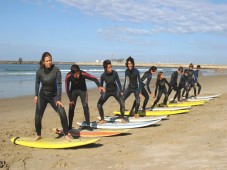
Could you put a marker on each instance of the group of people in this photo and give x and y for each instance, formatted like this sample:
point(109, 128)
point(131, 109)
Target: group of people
point(75, 83)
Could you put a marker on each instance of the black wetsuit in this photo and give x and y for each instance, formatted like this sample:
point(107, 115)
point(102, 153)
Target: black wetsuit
point(191, 81)
point(183, 84)
point(196, 80)
point(113, 88)
point(134, 86)
point(173, 84)
point(50, 92)
point(161, 88)
point(77, 87)
point(145, 81)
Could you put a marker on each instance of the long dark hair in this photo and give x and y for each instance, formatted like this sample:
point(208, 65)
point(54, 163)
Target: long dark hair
point(45, 54)
point(131, 60)
point(159, 75)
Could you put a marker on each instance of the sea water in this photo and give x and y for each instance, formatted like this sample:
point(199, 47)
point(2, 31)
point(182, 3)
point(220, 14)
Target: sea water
point(19, 79)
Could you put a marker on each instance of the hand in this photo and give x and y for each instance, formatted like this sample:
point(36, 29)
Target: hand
point(102, 89)
point(36, 99)
point(140, 95)
point(122, 94)
point(71, 104)
point(195, 84)
point(59, 104)
point(154, 96)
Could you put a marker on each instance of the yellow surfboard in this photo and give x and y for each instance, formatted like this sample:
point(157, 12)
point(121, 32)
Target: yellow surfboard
point(155, 113)
point(184, 104)
point(52, 143)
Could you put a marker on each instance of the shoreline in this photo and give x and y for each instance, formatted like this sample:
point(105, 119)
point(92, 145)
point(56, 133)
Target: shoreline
point(138, 64)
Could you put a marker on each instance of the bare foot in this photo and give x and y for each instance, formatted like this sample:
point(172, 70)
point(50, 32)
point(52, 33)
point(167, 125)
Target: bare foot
point(123, 121)
point(136, 116)
point(102, 122)
point(68, 137)
point(37, 138)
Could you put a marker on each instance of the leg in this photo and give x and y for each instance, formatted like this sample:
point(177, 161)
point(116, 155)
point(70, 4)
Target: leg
point(146, 98)
point(71, 111)
point(121, 102)
point(126, 95)
point(40, 108)
point(84, 101)
point(166, 96)
point(158, 98)
point(103, 98)
point(170, 90)
point(62, 115)
point(199, 87)
point(136, 94)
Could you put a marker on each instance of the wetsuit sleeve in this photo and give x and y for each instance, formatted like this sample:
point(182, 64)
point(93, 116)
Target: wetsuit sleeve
point(156, 88)
point(125, 81)
point(196, 73)
point(59, 85)
point(102, 80)
point(139, 82)
point(90, 77)
point(173, 78)
point(148, 84)
point(118, 82)
point(37, 83)
point(67, 87)
point(167, 82)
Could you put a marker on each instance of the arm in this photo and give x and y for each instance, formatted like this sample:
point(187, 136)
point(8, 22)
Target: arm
point(148, 84)
point(118, 82)
point(167, 82)
point(59, 85)
point(90, 77)
point(67, 86)
point(37, 84)
point(125, 82)
point(156, 88)
point(139, 82)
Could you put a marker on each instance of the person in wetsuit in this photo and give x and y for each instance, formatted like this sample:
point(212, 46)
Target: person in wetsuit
point(161, 88)
point(112, 88)
point(197, 71)
point(173, 82)
point(191, 79)
point(134, 84)
point(75, 86)
point(183, 84)
point(145, 81)
point(50, 92)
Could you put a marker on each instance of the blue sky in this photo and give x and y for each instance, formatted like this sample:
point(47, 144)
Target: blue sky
point(168, 31)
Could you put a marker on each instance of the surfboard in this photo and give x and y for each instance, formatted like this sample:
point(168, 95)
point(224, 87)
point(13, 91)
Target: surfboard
point(94, 133)
point(192, 99)
point(209, 96)
point(156, 113)
point(117, 125)
point(169, 108)
point(183, 104)
point(52, 143)
point(133, 119)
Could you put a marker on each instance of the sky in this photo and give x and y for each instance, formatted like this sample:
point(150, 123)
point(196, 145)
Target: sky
point(166, 31)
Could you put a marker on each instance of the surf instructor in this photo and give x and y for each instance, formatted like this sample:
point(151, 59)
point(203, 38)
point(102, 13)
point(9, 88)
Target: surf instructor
point(50, 77)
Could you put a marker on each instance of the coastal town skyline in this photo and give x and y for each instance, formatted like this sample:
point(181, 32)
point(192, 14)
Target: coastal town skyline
point(86, 31)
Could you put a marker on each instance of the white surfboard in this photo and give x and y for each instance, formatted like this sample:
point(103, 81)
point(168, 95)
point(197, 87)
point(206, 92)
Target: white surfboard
point(133, 119)
point(210, 96)
point(117, 125)
point(169, 108)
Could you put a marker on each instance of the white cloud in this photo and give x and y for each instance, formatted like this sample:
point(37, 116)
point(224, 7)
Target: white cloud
point(175, 16)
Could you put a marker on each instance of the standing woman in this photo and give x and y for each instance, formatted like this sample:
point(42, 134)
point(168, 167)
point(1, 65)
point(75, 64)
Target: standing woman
point(50, 92)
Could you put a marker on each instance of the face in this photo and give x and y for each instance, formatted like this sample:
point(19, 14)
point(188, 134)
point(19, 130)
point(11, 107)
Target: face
point(153, 72)
point(186, 74)
point(109, 68)
point(77, 75)
point(130, 65)
point(179, 72)
point(198, 69)
point(190, 68)
point(47, 62)
point(162, 76)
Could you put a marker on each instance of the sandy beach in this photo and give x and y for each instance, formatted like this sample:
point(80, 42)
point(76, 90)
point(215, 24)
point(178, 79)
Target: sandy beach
point(196, 140)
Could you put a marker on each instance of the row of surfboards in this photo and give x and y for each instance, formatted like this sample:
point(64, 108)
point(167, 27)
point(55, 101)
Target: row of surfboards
point(113, 125)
